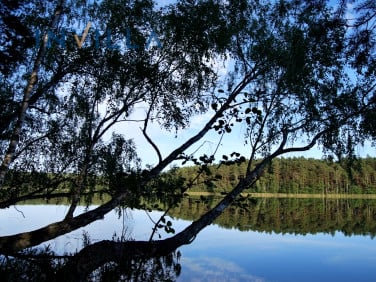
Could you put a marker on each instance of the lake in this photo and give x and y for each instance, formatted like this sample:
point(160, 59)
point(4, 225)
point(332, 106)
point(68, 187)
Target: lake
point(268, 239)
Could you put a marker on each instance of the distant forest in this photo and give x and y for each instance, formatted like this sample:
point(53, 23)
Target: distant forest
point(289, 175)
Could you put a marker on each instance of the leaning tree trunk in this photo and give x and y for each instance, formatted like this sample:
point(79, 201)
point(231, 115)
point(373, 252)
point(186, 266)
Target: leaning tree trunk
point(14, 243)
point(9, 155)
point(95, 255)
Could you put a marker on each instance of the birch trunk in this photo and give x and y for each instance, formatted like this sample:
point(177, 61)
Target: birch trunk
point(9, 155)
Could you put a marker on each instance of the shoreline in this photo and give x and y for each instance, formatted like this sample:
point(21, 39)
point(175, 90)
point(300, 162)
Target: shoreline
point(291, 195)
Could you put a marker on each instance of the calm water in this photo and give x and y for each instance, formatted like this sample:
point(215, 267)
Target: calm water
point(228, 254)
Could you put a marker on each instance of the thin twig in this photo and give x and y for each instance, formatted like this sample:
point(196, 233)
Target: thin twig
point(21, 212)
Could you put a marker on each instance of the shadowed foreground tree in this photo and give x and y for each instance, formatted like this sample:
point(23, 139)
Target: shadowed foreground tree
point(295, 83)
point(88, 265)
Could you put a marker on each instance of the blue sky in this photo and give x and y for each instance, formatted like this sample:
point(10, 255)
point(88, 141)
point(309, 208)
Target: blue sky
point(168, 141)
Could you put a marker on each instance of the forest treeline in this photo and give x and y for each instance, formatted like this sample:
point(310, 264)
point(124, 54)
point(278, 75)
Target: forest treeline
point(289, 175)
point(282, 175)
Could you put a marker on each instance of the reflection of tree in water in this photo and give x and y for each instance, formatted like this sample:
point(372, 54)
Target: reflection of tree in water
point(43, 265)
point(30, 265)
point(165, 268)
point(120, 259)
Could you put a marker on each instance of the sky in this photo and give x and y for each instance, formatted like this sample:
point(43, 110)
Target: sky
point(233, 142)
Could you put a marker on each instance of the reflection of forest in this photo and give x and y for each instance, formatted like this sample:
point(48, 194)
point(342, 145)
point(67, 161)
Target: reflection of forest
point(289, 215)
point(279, 215)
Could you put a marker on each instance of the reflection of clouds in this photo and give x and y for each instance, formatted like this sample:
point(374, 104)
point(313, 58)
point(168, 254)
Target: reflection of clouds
point(214, 269)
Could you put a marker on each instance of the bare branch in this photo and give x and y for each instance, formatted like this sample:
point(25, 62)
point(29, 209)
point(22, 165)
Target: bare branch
point(146, 121)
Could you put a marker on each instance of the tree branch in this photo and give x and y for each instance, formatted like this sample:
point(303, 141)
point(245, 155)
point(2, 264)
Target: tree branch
point(173, 155)
point(155, 147)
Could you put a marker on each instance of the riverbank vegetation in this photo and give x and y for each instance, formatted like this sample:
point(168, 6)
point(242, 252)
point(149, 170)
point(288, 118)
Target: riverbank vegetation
point(283, 177)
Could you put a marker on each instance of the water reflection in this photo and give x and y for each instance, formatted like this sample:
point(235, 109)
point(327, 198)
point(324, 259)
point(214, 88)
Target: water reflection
point(290, 215)
point(268, 240)
point(279, 257)
point(44, 265)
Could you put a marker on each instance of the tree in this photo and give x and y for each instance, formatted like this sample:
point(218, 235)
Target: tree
point(295, 77)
